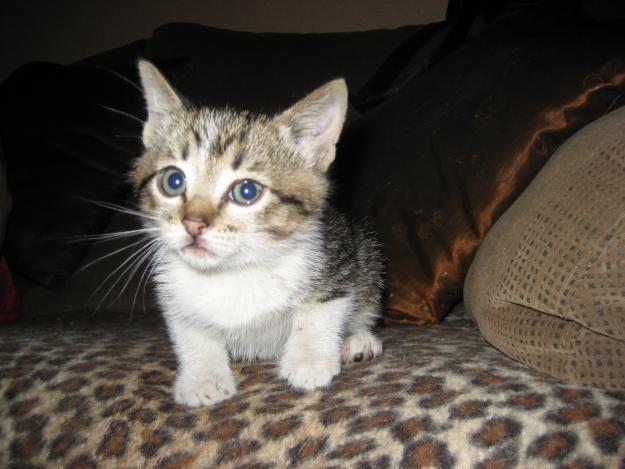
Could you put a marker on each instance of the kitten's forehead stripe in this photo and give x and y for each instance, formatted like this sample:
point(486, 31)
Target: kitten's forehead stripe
point(198, 138)
point(185, 151)
point(225, 143)
point(238, 159)
point(257, 167)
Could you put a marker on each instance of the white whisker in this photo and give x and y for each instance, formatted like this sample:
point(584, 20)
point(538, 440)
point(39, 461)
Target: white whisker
point(122, 209)
point(123, 113)
point(130, 272)
point(144, 279)
point(112, 236)
point(99, 259)
point(128, 263)
point(119, 75)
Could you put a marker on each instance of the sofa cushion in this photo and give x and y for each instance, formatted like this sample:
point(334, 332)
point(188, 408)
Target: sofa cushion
point(547, 286)
point(435, 166)
point(98, 393)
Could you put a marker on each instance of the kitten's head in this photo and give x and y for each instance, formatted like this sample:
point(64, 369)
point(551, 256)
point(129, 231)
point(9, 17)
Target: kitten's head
point(225, 188)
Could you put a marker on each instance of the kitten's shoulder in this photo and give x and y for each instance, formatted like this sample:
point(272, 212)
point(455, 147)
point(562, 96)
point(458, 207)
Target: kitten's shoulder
point(349, 246)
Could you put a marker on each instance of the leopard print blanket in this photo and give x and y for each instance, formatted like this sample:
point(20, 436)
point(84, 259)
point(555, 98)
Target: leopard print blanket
point(81, 393)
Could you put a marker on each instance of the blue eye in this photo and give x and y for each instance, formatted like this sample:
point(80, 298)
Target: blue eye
point(172, 182)
point(245, 192)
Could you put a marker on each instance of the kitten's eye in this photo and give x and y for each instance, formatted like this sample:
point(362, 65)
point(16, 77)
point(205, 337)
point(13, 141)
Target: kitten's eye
point(172, 182)
point(245, 192)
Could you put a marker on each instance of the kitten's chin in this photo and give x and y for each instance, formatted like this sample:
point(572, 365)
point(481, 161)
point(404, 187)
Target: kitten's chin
point(199, 257)
point(198, 250)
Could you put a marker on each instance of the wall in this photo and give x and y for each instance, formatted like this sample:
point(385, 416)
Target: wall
point(66, 30)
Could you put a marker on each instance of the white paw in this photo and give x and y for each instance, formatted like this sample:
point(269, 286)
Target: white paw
point(359, 347)
point(307, 373)
point(203, 391)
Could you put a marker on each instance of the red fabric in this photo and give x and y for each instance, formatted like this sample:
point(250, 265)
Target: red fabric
point(9, 301)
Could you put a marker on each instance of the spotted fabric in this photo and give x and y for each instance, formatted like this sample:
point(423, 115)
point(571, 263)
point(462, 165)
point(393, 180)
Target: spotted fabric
point(97, 393)
point(547, 285)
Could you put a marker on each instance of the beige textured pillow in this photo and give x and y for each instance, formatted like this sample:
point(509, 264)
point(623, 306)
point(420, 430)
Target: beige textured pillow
point(547, 286)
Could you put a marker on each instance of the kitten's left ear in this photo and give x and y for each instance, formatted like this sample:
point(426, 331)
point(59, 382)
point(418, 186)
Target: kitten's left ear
point(160, 97)
point(316, 121)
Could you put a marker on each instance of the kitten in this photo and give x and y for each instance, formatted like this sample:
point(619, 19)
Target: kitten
point(253, 263)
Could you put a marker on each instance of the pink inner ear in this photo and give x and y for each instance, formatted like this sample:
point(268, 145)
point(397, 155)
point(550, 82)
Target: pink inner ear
point(319, 129)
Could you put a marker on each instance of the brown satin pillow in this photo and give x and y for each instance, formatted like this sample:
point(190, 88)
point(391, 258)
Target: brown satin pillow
point(434, 167)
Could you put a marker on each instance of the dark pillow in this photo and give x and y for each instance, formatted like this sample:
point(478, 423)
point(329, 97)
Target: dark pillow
point(8, 296)
point(436, 165)
point(5, 199)
point(69, 134)
point(10, 310)
point(270, 71)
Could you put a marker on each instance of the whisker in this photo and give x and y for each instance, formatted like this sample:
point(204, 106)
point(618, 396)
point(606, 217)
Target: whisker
point(130, 273)
point(123, 113)
point(119, 75)
point(99, 259)
point(112, 236)
point(131, 259)
point(121, 209)
point(111, 205)
point(150, 265)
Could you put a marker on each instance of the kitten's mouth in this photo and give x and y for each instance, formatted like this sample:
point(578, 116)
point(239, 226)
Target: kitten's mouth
point(198, 249)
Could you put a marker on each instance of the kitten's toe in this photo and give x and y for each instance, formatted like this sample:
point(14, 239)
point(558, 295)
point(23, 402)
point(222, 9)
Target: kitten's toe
point(308, 374)
point(360, 347)
point(203, 391)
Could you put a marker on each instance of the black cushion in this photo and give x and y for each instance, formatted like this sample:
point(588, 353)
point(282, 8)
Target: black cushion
point(270, 71)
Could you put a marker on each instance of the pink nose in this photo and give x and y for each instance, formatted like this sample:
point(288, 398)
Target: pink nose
point(194, 227)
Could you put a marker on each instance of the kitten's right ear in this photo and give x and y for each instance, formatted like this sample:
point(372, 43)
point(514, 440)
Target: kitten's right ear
point(160, 97)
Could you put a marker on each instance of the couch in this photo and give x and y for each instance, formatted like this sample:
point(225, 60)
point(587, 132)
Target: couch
point(448, 127)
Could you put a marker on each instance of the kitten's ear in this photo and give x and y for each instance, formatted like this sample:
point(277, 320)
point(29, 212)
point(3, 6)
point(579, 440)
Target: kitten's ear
point(160, 97)
point(316, 121)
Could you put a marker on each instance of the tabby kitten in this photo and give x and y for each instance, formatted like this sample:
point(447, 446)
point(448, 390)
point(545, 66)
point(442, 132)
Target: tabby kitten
point(253, 264)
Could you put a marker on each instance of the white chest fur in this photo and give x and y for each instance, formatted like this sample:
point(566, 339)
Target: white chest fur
point(231, 299)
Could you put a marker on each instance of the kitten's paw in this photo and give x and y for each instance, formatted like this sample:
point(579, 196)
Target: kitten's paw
point(307, 373)
point(204, 391)
point(359, 347)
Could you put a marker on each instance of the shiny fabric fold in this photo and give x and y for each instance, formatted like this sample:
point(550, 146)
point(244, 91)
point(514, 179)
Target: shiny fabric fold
point(435, 166)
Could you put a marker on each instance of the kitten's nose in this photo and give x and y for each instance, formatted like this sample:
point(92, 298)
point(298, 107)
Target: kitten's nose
point(194, 225)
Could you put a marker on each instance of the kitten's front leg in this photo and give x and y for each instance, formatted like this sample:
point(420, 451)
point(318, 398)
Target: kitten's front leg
point(312, 353)
point(204, 375)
